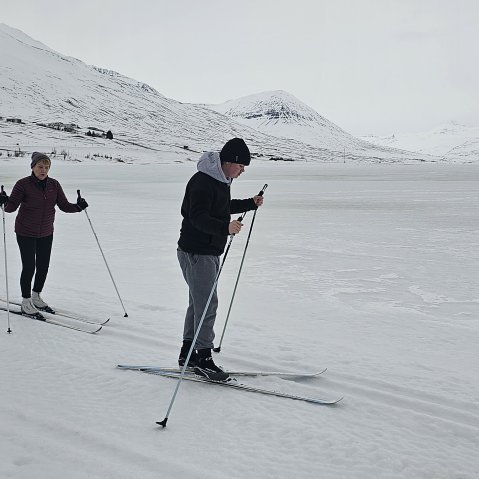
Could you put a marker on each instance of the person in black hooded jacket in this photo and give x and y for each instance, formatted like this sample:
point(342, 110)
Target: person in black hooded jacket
point(206, 209)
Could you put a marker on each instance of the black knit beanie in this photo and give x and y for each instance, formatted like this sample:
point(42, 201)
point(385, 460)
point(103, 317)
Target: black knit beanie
point(235, 151)
point(36, 157)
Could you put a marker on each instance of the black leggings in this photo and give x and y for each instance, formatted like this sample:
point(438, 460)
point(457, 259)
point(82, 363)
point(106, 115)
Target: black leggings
point(35, 253)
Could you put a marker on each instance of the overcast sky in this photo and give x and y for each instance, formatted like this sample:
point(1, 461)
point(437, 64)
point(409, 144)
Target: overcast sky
point(370, 66)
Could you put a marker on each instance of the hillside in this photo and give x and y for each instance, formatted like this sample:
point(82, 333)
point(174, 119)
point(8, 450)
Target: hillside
point(43, 87)
point(282, 115)
point(452, 141)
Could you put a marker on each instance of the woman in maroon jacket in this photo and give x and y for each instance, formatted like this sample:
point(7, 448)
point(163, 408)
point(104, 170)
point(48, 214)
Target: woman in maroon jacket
point(36, 195)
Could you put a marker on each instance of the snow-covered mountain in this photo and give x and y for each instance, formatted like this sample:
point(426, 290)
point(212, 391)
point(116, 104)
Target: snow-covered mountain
point(280, 114)
point(42, 87)
point(453, 141)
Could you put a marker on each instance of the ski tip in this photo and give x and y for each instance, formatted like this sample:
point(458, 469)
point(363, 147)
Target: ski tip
point(332, 402)
point(162, 423)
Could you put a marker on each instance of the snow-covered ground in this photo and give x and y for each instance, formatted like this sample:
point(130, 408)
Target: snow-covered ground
point(368, 270)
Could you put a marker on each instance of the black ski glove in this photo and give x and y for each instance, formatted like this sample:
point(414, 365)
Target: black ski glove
point(3, 198)
point(81, 203)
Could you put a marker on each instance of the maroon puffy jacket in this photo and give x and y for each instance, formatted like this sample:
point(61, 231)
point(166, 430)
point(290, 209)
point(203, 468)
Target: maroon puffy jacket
point(37, 205)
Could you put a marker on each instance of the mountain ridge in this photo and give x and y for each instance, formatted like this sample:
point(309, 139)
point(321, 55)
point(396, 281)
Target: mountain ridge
point(280, 114)
point(452, 140)
point(42, 86)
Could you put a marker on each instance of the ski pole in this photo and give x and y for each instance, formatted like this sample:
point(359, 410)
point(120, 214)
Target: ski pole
point(6, 268)
point(198, 329)
point(104, 259)
point(218, 349)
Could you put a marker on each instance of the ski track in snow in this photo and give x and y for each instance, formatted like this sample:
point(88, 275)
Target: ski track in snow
point(379, 304)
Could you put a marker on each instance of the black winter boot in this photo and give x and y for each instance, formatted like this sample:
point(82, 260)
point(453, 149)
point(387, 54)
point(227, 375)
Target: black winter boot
point(185, 349)
point(206, 367)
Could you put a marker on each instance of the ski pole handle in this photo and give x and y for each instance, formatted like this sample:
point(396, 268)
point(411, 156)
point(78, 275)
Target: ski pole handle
point(259, 194)
point(240, 219)
point(2, 191)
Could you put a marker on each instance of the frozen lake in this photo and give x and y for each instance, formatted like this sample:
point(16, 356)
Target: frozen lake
point(369, 270)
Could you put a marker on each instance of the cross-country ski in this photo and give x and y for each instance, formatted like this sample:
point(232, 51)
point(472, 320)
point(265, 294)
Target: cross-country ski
point(285, 374)
point(232, 383)
point(63, 313)
point(57, 321)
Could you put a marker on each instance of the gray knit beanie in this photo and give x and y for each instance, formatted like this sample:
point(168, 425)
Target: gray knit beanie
point(36, 157)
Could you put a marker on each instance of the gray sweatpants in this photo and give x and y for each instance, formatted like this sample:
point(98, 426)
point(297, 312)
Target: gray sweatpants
point(199, 271)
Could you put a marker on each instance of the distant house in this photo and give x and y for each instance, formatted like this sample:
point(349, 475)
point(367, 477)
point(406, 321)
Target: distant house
point(57, 125)
point(70, 128)
point(14, 120)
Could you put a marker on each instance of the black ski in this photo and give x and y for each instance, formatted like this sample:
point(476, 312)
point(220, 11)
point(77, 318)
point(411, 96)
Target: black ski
point(47, 318)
